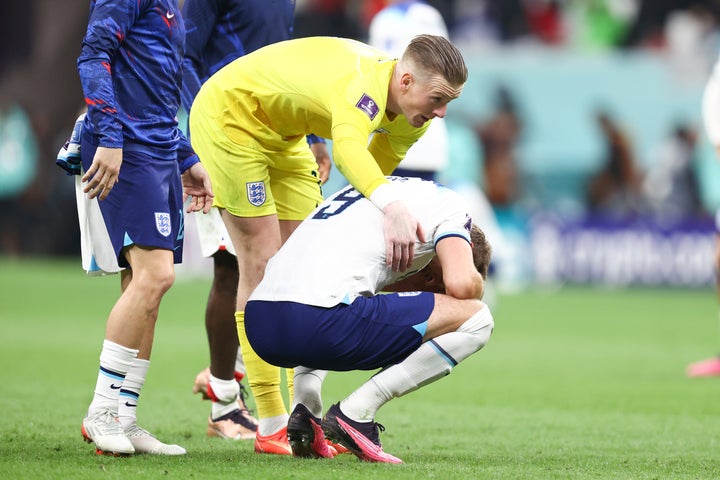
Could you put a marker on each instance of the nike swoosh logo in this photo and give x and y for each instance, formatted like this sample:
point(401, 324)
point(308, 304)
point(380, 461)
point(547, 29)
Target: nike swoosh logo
point(115, 387)
point(128, 404)
point(169, 15)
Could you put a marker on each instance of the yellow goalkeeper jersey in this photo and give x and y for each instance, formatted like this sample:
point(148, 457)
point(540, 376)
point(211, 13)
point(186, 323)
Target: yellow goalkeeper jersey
point(280, 93)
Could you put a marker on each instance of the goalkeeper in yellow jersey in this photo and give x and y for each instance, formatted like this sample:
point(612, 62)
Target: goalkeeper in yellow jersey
point(248, 125)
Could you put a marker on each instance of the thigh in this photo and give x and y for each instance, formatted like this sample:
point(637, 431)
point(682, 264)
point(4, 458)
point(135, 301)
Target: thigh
point(255, 240)
point(239, 172)
point(294, 182)
point(370, 333)
point(149, 266)
point(449, 314)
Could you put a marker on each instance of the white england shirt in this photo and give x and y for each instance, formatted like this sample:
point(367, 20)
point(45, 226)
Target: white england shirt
point(338, 252)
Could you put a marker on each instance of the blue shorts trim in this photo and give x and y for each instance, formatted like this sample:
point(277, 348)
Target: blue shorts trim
point(371, 333)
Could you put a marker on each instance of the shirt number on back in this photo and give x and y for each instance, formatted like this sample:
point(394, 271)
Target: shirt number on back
point(342, 201)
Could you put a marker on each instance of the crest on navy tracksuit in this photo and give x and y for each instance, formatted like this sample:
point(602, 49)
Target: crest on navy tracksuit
point(256, 193)
point(162, 223)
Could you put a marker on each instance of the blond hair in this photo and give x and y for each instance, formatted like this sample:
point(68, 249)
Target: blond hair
point(435, 55)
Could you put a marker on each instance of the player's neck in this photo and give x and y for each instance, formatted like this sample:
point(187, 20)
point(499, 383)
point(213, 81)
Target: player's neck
point(392, 109)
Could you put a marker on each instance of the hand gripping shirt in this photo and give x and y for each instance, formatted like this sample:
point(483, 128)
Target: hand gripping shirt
point(277, 95)
point(130, 72)
point(338, 252)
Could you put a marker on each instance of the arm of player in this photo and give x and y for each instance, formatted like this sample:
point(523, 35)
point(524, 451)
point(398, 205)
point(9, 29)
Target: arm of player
point(355, 162)
point(200, 18)
point(318, 146)
point(454, 275)
point(459, 274)
point(196, 184)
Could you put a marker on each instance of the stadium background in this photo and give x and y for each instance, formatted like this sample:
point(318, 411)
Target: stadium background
point(577, 382)
point(560, 62)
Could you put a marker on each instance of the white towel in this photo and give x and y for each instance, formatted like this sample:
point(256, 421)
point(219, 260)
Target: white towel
point(98, 255)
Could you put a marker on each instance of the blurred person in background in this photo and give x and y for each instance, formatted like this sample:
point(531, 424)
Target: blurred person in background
point(711, 120)
point(218, 32)
point(337, 18)
point(39, 99)
point(671, 186)
point(391, 30)
point(546, 21)
point(489, 23)
point(133, 155)
point(616, 188)
point(499, 136)
point(601, 24)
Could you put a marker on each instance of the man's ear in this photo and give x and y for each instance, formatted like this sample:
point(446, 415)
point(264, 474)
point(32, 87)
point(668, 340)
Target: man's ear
point(432, 283)
point(406, 80)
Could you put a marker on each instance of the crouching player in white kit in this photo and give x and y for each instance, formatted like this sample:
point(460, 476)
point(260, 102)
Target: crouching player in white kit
point(317, 320)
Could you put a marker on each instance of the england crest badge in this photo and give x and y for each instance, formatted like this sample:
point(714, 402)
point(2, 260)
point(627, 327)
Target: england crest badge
point(256, 193)
point(162, 223)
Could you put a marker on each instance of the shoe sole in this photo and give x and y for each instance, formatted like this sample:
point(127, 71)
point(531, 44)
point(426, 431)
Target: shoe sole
point(98, 451)
point(301, 443)
point(335, 432)
point(213, 432)
point(273, 448)
point(300, 437)
point(305, 435)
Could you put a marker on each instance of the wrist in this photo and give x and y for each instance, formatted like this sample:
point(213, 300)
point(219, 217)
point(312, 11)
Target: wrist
point(384, 195)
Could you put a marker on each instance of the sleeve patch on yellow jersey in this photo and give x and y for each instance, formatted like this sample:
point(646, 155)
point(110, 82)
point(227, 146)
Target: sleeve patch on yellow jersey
point(368, 105)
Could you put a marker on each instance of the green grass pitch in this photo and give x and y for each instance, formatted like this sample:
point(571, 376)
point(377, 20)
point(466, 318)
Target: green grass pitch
point(577, 383)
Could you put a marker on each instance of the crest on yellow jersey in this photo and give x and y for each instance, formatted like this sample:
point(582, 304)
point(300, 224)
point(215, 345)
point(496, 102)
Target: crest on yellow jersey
point(256, 193)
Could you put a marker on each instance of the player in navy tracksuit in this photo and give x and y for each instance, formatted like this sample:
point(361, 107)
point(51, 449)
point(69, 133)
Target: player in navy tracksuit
point(219, 31)
point(133, 155)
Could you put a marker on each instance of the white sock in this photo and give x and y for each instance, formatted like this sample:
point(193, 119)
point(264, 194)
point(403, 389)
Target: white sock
point(130, 392)
point(115, 362)
point(269, 426)
point(308, 387)
point(226, 392)
point(432, 361)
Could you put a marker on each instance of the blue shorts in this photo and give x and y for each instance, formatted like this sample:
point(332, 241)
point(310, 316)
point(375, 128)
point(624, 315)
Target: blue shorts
point(370, 333)
point(145, 207)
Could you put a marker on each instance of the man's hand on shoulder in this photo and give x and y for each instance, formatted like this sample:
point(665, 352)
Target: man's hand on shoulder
point(401, 231)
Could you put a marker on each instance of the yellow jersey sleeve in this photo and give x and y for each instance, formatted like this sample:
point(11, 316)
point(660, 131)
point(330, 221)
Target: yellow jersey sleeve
point(390, 144)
